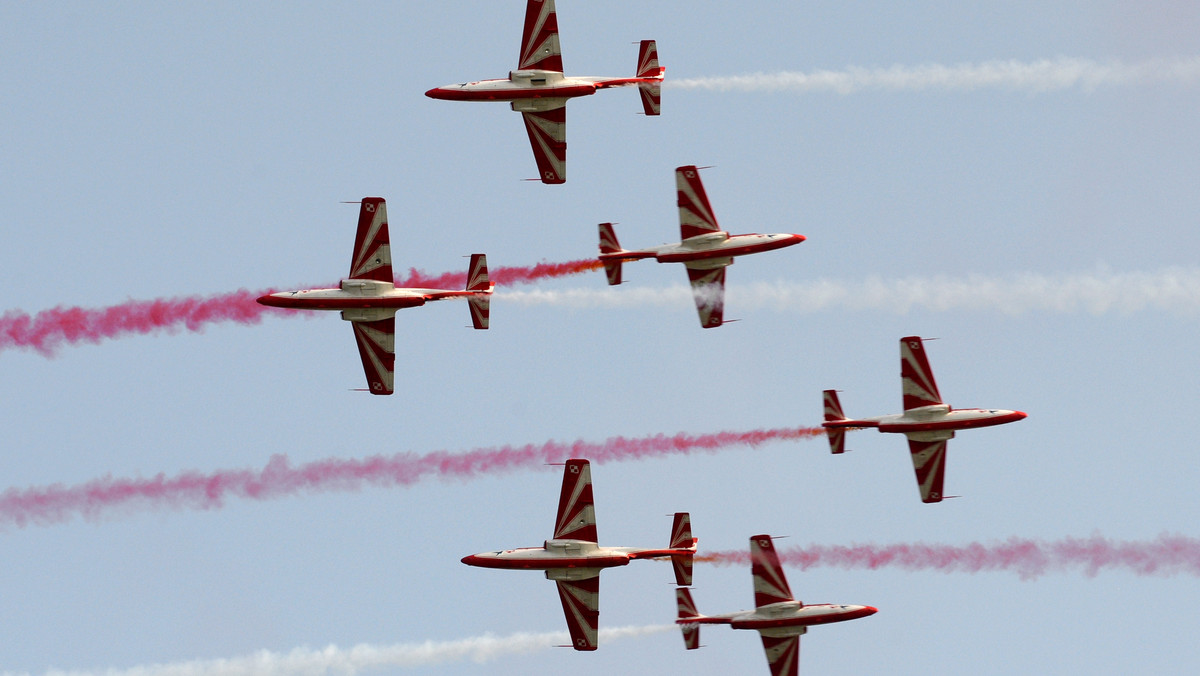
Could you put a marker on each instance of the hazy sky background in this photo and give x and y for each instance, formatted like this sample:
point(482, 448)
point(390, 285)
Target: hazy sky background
point(154, 150)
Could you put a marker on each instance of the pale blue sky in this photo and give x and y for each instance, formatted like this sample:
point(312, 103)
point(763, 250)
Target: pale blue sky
point(158, 150)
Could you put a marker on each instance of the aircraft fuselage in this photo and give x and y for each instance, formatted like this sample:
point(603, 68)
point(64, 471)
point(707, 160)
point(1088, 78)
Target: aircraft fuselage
point(933, 419)
point(786, 614)
point(566, 554)
point(531, 84)
point(709, 246)
point(356, 294)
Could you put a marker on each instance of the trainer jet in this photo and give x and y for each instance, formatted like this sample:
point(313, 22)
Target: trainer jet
point(539, 91)
point(778, 617)
point(574, 561)
point(927, 421)
point(706, 249)
point(369, 299)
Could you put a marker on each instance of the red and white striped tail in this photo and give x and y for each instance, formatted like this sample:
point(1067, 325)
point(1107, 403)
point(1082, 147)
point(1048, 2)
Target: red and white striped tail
point(681, 538)
point(833, 407)
point(648, 60)
point(648, 67)
point(477, 280)
point(687, 611)
point(608, 245)
point(916, 378)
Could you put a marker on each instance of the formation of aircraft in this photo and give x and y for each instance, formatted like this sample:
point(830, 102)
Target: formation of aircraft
point(369, 299)
point(777, 616)
point(539, 91)
point(927, 421)
point(573, 559)
point(706, 249)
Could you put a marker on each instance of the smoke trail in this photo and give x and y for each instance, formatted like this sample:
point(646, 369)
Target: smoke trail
point(49, 330)
point(1173, 290)
point(364, 657)
point(1166, 555)
point(195, 490)
point(503, 276)
point(1035, 76)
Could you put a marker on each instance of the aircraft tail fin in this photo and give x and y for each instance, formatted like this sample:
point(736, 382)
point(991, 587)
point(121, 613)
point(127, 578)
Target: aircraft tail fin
point(681, 538)
point(687, 612)
point(648, 67)
point(477, 281)
point(833, 413)
point(610, 245)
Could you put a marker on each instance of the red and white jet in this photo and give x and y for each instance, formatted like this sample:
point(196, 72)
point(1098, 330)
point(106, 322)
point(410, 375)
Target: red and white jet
point(574, 561)
point(778, 617)
point(539, 91)
point(368, 298)
point(706, 249)
point(927, 422)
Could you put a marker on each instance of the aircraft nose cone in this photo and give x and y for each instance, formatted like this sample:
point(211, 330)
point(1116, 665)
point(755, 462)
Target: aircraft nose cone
point(469, 560)
point(799, 238)
point(268, 300)
point(1019, 415)
point(435, 93)
point(870, 610)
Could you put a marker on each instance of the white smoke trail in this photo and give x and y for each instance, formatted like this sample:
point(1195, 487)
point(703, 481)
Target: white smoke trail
point(1174, 290)
point(1043, 75)
point(350, 661)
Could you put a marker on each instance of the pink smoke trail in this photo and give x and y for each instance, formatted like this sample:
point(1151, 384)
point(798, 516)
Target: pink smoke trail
point(48, 505)
point(1030, 559)
point(49, 330)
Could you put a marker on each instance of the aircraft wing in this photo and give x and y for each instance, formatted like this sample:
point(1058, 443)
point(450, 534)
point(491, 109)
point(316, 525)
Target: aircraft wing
point(770, 583)
point(929, 461)
point(372, 250)
point(916, 377)
point(695, 213)
point(548, 136)
point(539, 40)
point(581, 605)
point(377, 347)
point(708, 290)
point(783, 654)
point(576, 515)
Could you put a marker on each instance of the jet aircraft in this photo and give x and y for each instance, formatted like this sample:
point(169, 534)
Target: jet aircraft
point(368, 298)
point(539, 91)
point(927, 421)
point(573, 559)
point(705, 251)
point(777, 616)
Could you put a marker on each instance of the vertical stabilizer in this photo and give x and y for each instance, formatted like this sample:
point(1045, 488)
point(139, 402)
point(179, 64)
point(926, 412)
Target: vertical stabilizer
point(648, 67)
point(681, 538)
point(687, 611)
point(833, 413)
point(610, 245)
point(477, 281)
